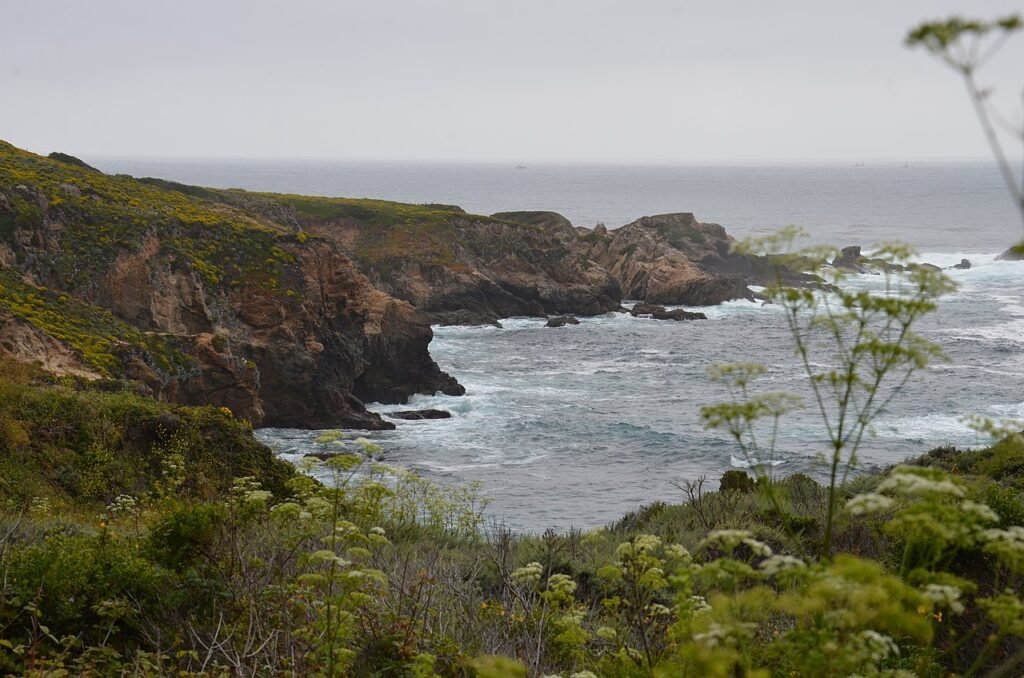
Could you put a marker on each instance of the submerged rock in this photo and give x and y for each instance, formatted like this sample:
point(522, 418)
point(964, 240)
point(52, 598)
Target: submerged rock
point(562, 321)
point(413, 415)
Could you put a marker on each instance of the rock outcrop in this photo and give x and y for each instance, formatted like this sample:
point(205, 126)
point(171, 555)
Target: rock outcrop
point(417, 415)
point(202, 301)
point(674, 259)
point(661, 313)
point(561, 321)
point(850, 259)
point(294, 310)
point(461, 268)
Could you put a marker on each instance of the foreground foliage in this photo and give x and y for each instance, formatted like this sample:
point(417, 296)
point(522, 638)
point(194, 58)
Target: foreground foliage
point(386, 574)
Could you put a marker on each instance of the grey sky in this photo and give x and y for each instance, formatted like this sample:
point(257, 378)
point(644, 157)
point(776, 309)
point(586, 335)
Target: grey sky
point(520, 80)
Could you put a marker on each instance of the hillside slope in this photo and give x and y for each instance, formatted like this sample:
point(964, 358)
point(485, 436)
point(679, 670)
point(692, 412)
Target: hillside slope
point(201, 301)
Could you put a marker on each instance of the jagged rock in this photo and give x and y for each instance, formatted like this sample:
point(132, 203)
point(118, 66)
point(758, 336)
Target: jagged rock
point(643, 308)
point(447, 262)
point(551, 222)
point(462, 317)
point(678, 314)
point(674, 259)
point(242, 312)
point(964, 265)
point(414, 415)
point(661, 313)
point(850, 259)
point(877, 265)
point(562, 321)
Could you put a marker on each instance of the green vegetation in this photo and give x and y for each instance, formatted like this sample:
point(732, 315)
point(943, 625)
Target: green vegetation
point(141, 539)
point(365, 210)
point(629, 250)
point(138, 538)
point(104, 216)
point(857, 350)
point(682, 236)
point(77, 446)
point(966, 45)
point(71, 160)
point(594, 238)
point(152, 561)
point(389, 231)
point(99, 338)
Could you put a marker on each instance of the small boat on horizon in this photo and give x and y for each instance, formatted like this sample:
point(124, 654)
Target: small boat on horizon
point(520, 166)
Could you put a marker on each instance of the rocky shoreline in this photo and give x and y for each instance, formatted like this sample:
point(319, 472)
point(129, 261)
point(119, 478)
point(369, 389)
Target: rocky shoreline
point(293, 311)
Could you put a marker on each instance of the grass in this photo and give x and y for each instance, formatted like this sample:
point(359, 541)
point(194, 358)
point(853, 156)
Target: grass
point(105, 216)
point(392, 232)
point(75, 444)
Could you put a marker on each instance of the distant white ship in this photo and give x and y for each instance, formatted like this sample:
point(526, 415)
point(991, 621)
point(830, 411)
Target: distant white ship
point(520, 166)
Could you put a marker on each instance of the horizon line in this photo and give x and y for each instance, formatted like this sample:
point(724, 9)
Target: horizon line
point(525, 163)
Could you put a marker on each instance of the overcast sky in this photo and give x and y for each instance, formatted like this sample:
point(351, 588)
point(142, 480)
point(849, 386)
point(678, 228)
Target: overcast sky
point(620, 81)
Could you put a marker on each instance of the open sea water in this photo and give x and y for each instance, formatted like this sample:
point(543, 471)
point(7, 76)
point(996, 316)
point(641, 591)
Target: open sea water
point(578, 425)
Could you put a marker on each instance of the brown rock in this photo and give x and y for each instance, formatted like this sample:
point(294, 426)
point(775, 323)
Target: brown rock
point(668, 259)
point(475, 269)
point(302, 349)
point(23, 342)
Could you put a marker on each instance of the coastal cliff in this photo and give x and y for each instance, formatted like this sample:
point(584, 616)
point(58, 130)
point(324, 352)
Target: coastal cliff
point(462, 268)
point(471, 269)
point(675, 259)
point(196, 300)
point(294, 310)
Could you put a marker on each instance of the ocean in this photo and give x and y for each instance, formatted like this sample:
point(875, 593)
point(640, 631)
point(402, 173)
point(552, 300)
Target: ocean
point(576, 426)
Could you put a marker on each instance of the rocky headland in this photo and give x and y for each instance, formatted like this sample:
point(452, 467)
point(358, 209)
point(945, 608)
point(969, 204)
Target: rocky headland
point(294, 310)
point(198, 300)
point(459, 268)
point(675, 259)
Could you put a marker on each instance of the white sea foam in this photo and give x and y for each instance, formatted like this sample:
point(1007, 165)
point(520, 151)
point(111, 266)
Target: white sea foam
point(740, 462)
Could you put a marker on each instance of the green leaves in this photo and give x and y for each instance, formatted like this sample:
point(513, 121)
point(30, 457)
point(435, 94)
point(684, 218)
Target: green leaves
point(857, 348)
point(940, 37)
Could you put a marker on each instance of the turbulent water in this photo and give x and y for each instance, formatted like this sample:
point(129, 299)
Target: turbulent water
point(576, 425)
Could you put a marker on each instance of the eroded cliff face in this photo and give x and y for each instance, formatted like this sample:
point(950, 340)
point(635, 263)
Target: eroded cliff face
point(21, 341)
point(456, 267)
point(667, 259)
point(208, 303)
point(675, 259)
